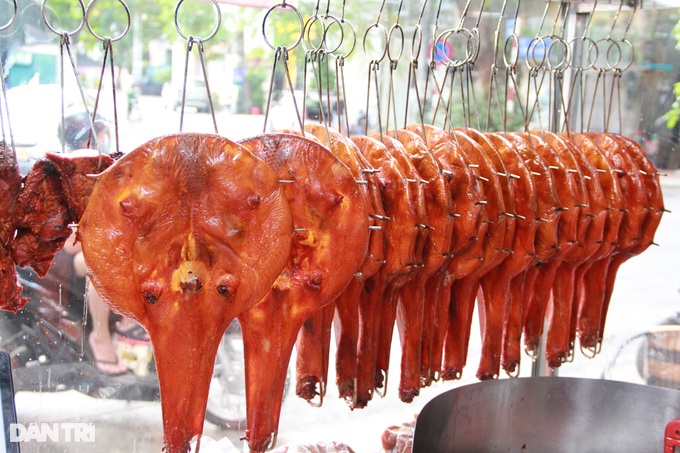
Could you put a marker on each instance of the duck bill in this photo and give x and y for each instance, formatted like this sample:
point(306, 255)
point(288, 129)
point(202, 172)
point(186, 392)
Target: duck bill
point(184, 363)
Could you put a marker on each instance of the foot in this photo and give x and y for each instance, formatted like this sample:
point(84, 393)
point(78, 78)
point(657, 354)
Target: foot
point(105, 358)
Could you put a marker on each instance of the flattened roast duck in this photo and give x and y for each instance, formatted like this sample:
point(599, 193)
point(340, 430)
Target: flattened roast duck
point(190, 231)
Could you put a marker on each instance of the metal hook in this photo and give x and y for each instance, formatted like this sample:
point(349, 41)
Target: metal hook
point(586, 27)
point(108, 55)
point(382, 7)
point(630, 20)
point(307, 31)
point(616, 18)
point(463, 16)
point(434, 32)
point(554, 25)
point(401, 4)
point(111, 39)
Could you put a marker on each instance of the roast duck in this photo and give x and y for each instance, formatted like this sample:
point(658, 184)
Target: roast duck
point(296, 234)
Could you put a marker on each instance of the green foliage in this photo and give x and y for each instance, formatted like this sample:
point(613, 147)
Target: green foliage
point(673, 115)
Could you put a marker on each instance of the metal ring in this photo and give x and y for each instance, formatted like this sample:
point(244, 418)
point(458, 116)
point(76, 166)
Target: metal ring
point(591, 62)
point(415, 51)
point(307, 40)
point(354, 38)
point(531, 52)
point(512, 63)
point(117, 38)
point(384, 52)
point(564, 62)
point(597, 55)
point(211, 35)
point(632, 54)
point(334, 20)
point(615, 64)
point(283, 5)
point(57, 32)
point(468, 52)
point(389, 42)
point(477, 44)
point(435, 46)
point(13, 18)
point(573, 54)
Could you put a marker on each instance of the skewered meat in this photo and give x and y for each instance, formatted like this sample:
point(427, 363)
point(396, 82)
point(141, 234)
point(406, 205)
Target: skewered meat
point(558, 347)
point(634, 192)
point(567, 224)
point(546, 218)
point(347, 303)
point(182, 234)
point(509, 275)
point(565, 283)
point(490, 254)
point(529, 235)
point(392, 295)
point(466, 194)
point(331, 221)
point(10, 186)
point(495, 283)
point(400, 236)
point(414, 296)
point(594, 272)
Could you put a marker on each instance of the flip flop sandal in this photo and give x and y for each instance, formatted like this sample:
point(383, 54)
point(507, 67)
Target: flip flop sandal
point(136, 332)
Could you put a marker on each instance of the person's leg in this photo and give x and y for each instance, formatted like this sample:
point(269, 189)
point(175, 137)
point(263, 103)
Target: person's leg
point(100, 337)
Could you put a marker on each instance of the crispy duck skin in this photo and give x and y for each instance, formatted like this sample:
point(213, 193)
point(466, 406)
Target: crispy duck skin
point(650, 177)
point(594, 272)
point(546, 217)
point(653, 210)
point(464, 291)
point(10, 187)
point(510, 274)
point(42, 219)
point(329, 246)
point(421, 226)
point(414, 296)
point(592, 241)
point(313, 350)
point(182, 234)
point(496, 282)
point(466, 193)
point(634, 192)
point(566, 240)
point(559, 316)
point(400, 235)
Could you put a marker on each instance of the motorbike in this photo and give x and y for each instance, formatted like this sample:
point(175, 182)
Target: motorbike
point(48, 350)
